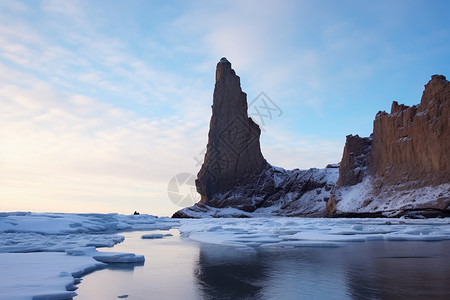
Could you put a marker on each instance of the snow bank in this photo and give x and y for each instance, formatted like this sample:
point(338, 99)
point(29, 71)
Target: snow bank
point(152, 236)
point(53, 232)
point(58, 223)
point(116, 257)
point(297, 232)
point(43, 255)
point(42, 275)
point(360, 198)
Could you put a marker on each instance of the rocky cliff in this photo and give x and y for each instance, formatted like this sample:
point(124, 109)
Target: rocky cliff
point(404, 168)
point(233, 154)
point(236, 180)
point(413, 143)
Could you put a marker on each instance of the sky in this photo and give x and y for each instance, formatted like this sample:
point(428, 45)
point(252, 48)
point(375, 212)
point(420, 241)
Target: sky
point(104, 103)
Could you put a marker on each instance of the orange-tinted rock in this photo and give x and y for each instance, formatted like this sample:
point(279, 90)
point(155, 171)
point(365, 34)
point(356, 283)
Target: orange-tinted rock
point(408, 166)
point(413, 143)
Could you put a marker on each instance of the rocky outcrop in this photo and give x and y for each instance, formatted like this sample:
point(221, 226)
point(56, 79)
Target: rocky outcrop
point(413, 143)
point(407, 169)
point(235, 179)
point(353, 166)
point(403, 168)
point(274, 192)
point(233, 154)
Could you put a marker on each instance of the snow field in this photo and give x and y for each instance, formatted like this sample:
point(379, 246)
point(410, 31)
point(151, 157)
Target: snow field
point(43, 255)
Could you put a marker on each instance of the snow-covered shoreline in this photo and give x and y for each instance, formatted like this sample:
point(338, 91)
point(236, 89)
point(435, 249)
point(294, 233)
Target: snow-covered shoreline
point(43, 255)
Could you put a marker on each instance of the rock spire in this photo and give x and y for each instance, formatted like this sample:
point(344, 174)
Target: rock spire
point(233, 153)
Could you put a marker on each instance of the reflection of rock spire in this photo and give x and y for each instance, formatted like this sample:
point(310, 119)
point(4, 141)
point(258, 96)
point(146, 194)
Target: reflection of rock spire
point(233, 152)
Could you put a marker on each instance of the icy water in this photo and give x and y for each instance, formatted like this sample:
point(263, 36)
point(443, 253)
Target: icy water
point(177, 268)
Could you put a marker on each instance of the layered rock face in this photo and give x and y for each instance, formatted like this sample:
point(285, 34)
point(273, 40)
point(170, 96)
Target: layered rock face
point(407, 167)
point(413, 143)
point(235, 179)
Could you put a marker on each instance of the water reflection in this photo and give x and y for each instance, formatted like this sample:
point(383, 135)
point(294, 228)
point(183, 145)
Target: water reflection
point(229, 273)
point(375, 270)
point(410, 270)
point(124, 267)
point(181, 269)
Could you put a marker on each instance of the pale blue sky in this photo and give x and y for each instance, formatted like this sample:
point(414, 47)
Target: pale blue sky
point(103, 102)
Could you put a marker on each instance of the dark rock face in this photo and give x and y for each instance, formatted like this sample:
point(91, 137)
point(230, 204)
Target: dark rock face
point(408, 164)
point(402, 169)
point(233, 154)
point(235, 179)
point(273, 192)
point(353, 166)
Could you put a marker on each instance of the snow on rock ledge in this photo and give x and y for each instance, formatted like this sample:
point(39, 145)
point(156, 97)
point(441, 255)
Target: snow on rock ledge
point(405, 163)
point(274, 192)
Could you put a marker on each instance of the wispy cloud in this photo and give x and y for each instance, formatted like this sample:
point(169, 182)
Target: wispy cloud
point(62, 142)
point(101, 103)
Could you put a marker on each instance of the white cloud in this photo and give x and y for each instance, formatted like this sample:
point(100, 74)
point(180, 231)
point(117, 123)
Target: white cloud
point(99, 109)
point(61, 145)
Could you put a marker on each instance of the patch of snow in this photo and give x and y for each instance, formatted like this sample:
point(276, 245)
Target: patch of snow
point(308, 232)
point(43, 255)
point(116, 257)
point(351, 199)
point(58, 223)
point(403, 139)
point(278, 169)
point(422, 113)
point(42, 275)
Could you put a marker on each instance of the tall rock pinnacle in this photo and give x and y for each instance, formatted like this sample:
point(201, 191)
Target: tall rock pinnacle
point(235, 174)
point(403, 168)
point(233, 152)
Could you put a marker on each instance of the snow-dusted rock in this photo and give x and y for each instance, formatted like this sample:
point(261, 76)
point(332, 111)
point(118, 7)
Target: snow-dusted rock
point(402, 169)
point(406, 169)
point(235, 179)
point(275, 192)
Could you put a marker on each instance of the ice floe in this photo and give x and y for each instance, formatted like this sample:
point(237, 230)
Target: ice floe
point(42, 275)
point(43, 255)
point(297, 232)
point(116, 257)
